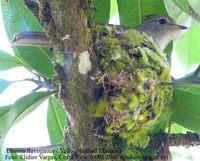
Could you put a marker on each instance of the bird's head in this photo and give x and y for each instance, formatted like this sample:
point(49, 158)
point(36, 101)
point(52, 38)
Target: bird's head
point(161, 28)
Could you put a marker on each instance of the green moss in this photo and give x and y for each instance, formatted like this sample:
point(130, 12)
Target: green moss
point(110, 41)
point(101, 107)
point(119, 103)
point(133, 37)
point(133, 67)
point(133, 101)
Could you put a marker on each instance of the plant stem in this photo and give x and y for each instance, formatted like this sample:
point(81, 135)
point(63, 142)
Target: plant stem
point(179, 84)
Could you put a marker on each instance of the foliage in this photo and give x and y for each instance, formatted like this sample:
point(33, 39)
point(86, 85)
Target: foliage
point(132, 12)
point(38, 60)
point(8, 62)
point(187, 111)
point(188, 8)
point(56, 120)
point(22, 19)
point(188, 47)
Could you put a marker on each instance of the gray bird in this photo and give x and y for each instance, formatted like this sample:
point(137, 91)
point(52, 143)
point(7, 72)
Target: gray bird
point(161, 28)
point(29, 38)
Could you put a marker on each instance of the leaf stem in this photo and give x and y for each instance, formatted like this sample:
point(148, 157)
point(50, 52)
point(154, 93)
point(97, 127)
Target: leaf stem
point(179, 84)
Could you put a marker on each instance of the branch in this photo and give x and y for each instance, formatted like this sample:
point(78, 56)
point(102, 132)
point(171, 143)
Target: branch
point(188, 139)
point(180, 139)
point(45, 83)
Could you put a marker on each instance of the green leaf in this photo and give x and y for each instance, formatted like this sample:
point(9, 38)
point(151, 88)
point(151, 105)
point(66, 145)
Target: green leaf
point(4, 110)
point(56, 120)
point(174, 11)
point(132, 12)
point(102, 11)
point(113, 8)
point(37, 58)
point(4, 84)
point(187, 110)
point(11, 114)
point(17, 17)
point(175, 128)
point(8, 61)
point(192, 90)
point(186, 7)
point(188, 47)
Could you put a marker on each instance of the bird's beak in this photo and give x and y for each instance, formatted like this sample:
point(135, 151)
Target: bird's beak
point(178, 27)
point(182, 27)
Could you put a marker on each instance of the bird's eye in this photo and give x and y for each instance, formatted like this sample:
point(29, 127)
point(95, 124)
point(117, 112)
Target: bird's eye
point(162, 21)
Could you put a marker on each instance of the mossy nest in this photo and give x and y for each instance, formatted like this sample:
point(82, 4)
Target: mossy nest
point(132, 69)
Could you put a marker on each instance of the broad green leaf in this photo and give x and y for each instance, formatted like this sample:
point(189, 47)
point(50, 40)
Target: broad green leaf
point(8, 62)
point(188, 47)
point(175, 128)
point(3, 113)
point(17, 17)
point(102, 11)
point(187, 110)
point(11, 114)
point(113, 8)
point(132, 12)
point(4, 110)
point(4, 84)
point(37, 58)
point(56, 120)
point(173, 10)
point(186, 7)
point(192, 90)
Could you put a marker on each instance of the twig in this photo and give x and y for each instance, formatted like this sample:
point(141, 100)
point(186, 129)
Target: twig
point(188, 139)
point(39, 82)
point(179, 84)
point(180, 139)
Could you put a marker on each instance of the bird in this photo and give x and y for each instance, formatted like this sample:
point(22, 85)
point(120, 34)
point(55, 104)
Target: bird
point(162, 29)
point(29, 38)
